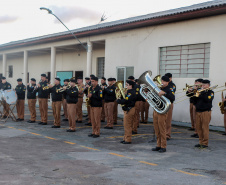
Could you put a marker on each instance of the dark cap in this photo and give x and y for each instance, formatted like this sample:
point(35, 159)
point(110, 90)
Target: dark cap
point(87, 78)
point(103, 78)
point(80, 77)
point(165, 78)
point(73, 80)
point(33, 79)
point(19, 80)
point(131, 78)
point(43, 75)
point(130, 82)
point(3, 78)
point(114, 79)
point(66, 80)
point(206, 82)
point(110, 79)
point(199, 80)
point(136, 80)
point(58, 79)
point(169, 75)
point(94, 78)
point(91, 76)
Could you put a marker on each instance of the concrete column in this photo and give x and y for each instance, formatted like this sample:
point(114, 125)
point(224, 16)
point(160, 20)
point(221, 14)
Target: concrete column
point(4, 65)
point(53, 64)
point(25, 67)
point(89, 58)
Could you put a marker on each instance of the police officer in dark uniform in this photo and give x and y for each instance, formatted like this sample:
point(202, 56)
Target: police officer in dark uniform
point(203, 113)
point(57, 96)
point(159, 120)
point(31, 96)
point(43, 94)
point(96, 96)
point(115, 114)
point(72, 99)
point(20, 91)
point(128, 106)
point(103, 86)
point(64, 101)
point(4, 85)
point(109, 99)
point(224, 100)
point(87, 85)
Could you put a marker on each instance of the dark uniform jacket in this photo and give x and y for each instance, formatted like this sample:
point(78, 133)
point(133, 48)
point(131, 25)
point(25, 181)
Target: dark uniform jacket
point(225, 102)
point(20, 91)
point(137, 89)
point(64, 93)
point(97, 96)
point(43, 93)
point(31, 92)
point(129, 101)
point(56, 96)
point(193, 99)
point(173, 86)
point(5, 86)
point(204, 101)
point(109, 94)
point(72, 95)
point(169, 93)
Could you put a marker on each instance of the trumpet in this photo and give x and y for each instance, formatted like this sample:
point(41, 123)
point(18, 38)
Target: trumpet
point(47, 87)
point(62, 89)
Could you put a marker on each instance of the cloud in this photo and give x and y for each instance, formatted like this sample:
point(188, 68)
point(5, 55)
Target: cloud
point(66, 14)
point(7, 19)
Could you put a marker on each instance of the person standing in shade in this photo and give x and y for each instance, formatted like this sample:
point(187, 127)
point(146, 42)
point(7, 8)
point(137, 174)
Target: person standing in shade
point(203, 113)
point(159, 120)
point(81, 88)
point(144, 109)
point(129, 111)
point(43, 94)
point(4, 85)
point(115, 114)
point(109, 99)
point(103, 86)
point(56, 101)
point(87, 86)
point(72, 99)
point(170, 112)
point(31, 96)
point(64, 101)
point(95, 95)
point(20, 91)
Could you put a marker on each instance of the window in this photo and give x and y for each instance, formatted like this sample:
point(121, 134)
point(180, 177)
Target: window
point(10, 71)
point(124, 72)
point(187, 61)
point(100, 67)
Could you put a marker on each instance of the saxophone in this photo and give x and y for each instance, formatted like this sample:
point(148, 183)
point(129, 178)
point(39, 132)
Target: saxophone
point(88, 99)
point(221, 104)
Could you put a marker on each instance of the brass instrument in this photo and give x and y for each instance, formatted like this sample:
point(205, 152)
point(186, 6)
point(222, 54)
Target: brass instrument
point(88, 99)
point(160, 104)
point(157, 79)
point(191, 86)
point(47, 87)
point(62, 89)
point(221, 104)
point(120, 91)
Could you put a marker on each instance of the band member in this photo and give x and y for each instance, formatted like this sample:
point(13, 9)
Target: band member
point(72, 99)
point(115, 114)
point(144, 110)
point(20, 91)
point(43, 94)
point(109, 99)
point(103, 86)
point(203, 113)
point(159, 120)
point(81, 88)
point(138, 104)
point(129, 110)
point(4, 85)
point(95, 95)
point(31, 96)
point(224, 100)
point(170, 112)
point(190, 93)
point(57, 96)
point(64, 101)
point(87, 85)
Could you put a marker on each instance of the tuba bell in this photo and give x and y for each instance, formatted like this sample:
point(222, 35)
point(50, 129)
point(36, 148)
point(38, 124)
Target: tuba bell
point(159, 103)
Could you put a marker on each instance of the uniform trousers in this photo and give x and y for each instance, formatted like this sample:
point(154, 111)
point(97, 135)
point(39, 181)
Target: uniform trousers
point(128, 124)
point(159, 121)
point(202, 124)
point(79, 109)
point(115, 114)
point(20, 109)
point(43, 108)
point(109, 109)
point(96, 119)
point(169, 121)
point(136, 119)
point(65, 108)
point(32, 108)
point(144, 111)
point(56, 106)
point(71, 109)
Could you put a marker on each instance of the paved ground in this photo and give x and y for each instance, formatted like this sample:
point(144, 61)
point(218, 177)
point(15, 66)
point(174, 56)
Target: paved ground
point(31, 154)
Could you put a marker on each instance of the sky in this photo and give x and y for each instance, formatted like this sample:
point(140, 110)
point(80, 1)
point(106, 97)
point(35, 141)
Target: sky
point(22, 19)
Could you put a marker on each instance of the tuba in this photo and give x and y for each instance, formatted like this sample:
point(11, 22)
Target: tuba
point(159, 103)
